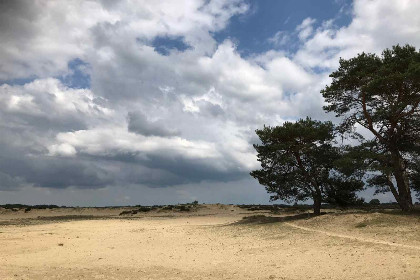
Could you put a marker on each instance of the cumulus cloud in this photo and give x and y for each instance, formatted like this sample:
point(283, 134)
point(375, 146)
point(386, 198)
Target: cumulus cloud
point(39, 38)
point(47, 104)
point(376, 25)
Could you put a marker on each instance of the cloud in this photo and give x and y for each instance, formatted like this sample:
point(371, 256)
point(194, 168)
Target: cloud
point(92, 97)
point(46, 104)
point(24, 169)
point(112, 140)
point(280, 38)
point(62, 150)
point(8, 182)
point(138, 123)
point(39, 38)
point(305, 29)
point(376, 25)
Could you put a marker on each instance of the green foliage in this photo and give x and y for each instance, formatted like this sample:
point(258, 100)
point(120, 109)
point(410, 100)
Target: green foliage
point(414, 167)
point(374, 201)
point(340, 191)
point(297, 163)
point(21, 206)
point(183, 208)
point(389, 88)
point(381, 94)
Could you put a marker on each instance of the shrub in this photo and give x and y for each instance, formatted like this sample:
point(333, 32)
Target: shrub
point(375, 201)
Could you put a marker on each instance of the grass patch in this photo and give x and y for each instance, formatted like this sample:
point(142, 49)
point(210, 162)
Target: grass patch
point(361, 225)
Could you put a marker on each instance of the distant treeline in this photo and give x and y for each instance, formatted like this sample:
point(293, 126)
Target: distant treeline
point(24, 206)
point(140, 208)
point(297, 207)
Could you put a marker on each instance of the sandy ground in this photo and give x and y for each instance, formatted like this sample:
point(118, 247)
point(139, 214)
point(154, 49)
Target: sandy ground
point(213, 242)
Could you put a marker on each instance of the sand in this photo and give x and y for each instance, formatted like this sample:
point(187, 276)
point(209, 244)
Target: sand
point(212, 242)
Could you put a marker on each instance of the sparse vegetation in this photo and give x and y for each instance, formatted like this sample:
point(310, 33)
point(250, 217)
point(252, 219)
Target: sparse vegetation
point(144, 209)
point(361, 225)
point(29, 207)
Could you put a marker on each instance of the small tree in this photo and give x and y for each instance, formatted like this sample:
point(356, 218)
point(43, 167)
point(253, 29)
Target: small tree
point(341, 191)
point(382, 94)
point(297, 162)
point(374, 201)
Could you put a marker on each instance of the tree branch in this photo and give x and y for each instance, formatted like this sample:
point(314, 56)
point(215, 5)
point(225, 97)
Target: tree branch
point(305, 172)
point(369, 119)
point(392, 188)
point(408, 113)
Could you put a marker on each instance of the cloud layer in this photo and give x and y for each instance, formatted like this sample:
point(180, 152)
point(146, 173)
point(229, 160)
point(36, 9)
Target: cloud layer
point(99, 95)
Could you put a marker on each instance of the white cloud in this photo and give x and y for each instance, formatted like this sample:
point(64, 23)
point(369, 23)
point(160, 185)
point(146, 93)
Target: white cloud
point(291, 76)
point(114, 140)
point(280, 38)
point(305, 29)
point(40, 38)
point(376, 25)
point(63, 149)
point(50, 99)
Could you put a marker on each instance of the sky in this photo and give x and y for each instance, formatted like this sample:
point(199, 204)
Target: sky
point(156, 102)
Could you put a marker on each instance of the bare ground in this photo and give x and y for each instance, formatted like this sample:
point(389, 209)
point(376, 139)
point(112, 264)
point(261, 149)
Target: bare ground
point(211, 242)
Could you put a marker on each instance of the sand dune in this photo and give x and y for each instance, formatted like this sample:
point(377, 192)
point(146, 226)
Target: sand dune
point(210, 242)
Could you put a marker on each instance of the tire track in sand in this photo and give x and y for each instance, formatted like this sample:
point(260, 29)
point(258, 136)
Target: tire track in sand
point(360, 239)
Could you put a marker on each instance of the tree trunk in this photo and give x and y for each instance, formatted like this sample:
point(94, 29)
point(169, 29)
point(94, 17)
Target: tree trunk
point(405, 201)
point(317, 204)
point(404, 194)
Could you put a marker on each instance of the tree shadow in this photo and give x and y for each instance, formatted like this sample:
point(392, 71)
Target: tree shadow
point(262, 219)
point(397, 212)
point(58, 219)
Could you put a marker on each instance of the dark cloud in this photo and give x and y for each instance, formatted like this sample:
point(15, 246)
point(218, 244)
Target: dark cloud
point(17, 169)
point(194, 170)
point(210, 109)
point(91, 172)
point(8, 182)
point(44, 123)
point(15, 19)
point(138, 123)
point(64, 173)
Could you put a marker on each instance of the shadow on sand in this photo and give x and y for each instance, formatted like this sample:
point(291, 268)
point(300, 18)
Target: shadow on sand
point(262, 219)
point(57, 219)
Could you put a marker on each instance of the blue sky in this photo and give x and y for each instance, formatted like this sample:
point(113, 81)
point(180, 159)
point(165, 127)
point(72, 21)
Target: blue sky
point(252, 31)
point(115, 103)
